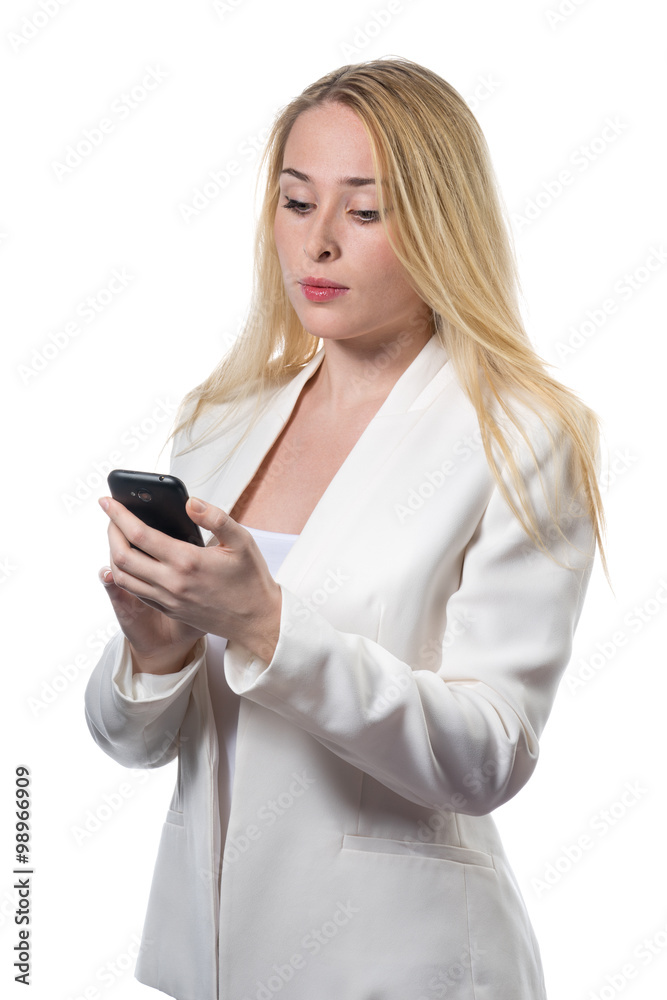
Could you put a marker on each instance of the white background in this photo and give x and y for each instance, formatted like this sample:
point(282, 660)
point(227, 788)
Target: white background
point(544, 88)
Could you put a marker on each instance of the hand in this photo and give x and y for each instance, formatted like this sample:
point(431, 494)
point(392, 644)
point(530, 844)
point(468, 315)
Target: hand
point(158, 644)
point(224, 588)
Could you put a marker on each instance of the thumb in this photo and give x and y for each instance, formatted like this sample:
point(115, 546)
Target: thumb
point(213, 519)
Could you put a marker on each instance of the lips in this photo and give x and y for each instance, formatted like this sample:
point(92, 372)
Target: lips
point(321, 289)
point(320, 282)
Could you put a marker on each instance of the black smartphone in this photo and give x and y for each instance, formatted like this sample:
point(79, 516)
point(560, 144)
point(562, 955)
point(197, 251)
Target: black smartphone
point(158, 500)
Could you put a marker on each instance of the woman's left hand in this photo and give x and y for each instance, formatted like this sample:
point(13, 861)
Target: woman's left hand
point(225, 588)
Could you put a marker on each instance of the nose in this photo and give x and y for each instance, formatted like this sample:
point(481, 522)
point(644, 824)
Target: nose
point(321, 242)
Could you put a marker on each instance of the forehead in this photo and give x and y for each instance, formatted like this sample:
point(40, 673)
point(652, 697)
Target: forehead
point(328, 140)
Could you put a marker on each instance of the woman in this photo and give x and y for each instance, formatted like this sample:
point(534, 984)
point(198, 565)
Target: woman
point(357, 668)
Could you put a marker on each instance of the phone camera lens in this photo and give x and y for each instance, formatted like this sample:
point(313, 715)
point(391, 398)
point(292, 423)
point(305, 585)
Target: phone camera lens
point(144, 495)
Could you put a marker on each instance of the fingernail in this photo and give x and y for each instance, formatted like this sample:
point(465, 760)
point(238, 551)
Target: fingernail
point(198, 505)
point(104, 503)
point(107, 575)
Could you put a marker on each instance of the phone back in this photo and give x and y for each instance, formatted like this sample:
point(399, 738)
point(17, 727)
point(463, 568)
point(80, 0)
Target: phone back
point(158, 500)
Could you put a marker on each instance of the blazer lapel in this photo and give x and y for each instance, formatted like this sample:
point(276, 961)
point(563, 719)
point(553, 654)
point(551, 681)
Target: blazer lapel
point(246, 461)
point(412, 392)
point(416, 388)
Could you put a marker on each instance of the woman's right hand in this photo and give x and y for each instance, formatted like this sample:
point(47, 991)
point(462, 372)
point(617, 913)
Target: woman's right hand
point(159, 644)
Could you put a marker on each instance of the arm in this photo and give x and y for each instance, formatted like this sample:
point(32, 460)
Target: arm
point(465, 736)
point(168, 595)
point(136, 718)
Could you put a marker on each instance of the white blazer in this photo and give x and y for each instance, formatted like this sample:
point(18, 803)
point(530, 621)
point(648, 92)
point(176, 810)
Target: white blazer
point(422, 640)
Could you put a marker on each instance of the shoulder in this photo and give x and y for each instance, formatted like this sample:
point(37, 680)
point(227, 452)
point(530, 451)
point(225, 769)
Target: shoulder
point(208, 441)
point(217, 422)
point(534, 435)
point(544, 482)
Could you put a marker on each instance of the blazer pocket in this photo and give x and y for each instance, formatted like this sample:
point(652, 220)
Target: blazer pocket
point(414, 848)
point(175, 818)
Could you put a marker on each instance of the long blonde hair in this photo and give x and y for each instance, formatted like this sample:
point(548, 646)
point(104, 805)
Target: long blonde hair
point(450, 234)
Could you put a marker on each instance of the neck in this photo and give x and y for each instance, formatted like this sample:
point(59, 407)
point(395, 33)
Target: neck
point(351, 376)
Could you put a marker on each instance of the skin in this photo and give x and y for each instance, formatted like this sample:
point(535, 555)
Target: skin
point(170, 594)
point(328, 238)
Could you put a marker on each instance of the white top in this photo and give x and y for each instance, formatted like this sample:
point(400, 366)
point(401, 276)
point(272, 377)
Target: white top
point(274, 546)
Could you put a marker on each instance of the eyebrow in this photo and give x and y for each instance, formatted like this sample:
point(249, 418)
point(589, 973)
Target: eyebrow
point(345, 181)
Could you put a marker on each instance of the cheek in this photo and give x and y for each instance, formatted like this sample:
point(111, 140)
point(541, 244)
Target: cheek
point(282, 235)
point(388, 271)
point(277, 235)
point(285, 259)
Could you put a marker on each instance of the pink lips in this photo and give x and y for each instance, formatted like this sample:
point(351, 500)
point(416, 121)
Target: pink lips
point(321, 290)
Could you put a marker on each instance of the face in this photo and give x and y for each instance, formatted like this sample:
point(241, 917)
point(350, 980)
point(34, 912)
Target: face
point(340, 272)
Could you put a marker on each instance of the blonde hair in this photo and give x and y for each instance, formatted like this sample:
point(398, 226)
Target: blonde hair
point(433, 167)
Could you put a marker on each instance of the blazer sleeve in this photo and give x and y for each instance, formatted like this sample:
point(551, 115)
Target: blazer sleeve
point(463, 736)
point(136, 718)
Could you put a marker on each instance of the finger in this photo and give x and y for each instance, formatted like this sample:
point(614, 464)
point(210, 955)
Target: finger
point(126, 606)
point(135, 565)
point(227, 531)
point(144, 590)
point(145, 577)
point(131, 560)
point(151, 541)
point(155, 605)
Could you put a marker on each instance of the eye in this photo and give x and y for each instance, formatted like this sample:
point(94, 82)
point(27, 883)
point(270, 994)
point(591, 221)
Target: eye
point(366, 215)
point(299, 207)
